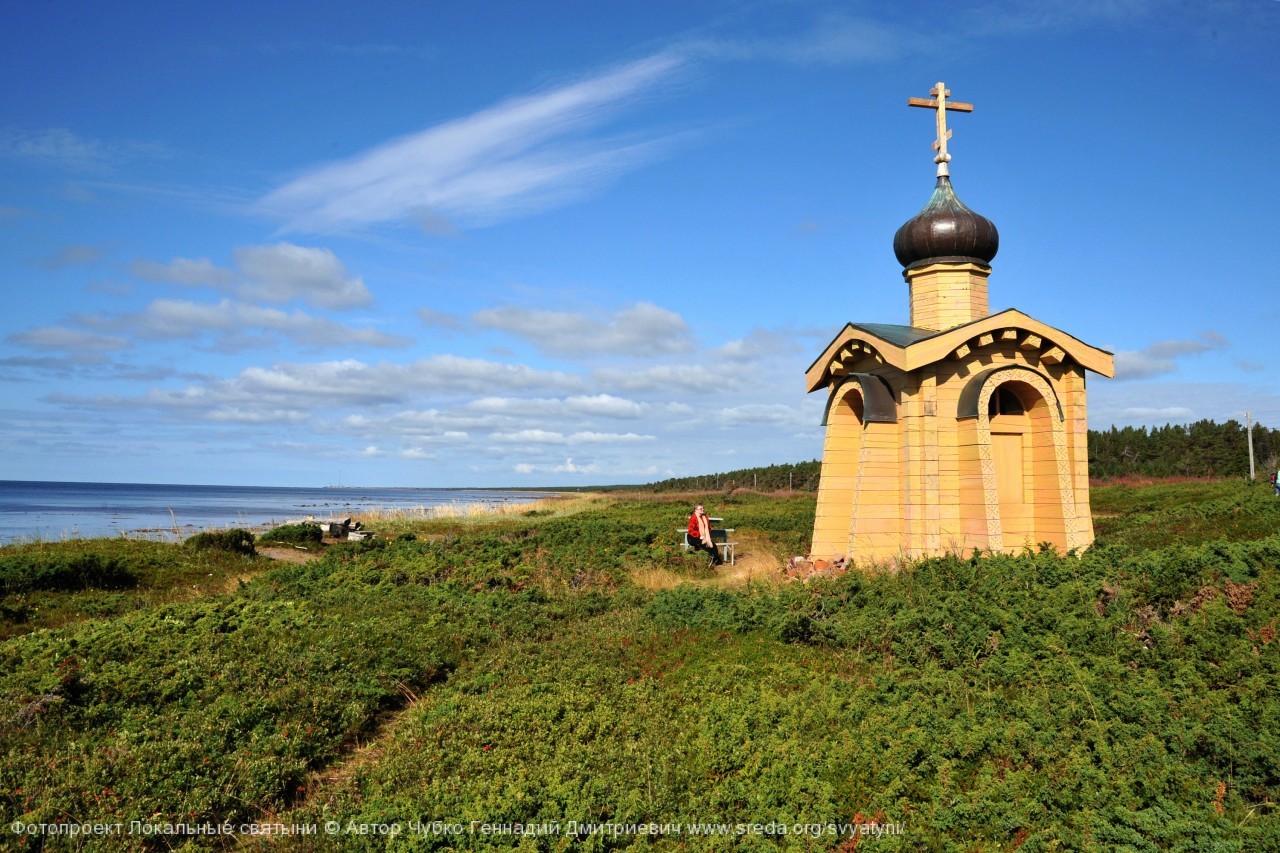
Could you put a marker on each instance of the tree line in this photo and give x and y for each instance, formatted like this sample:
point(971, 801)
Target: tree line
point(1202, 449)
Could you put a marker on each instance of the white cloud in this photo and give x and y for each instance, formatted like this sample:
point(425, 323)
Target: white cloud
point(388, 382)
point(1147, 413)
point(567, 467)
point(530, 436)
point(670, 377)
point(428, 423)
point(284, 272)
point(643, 329)
point(276, 274)
point(234, 414)
point(60, 337)
point(540, 436)
point(1112, 402)
point(192, 272)
point(310, 386)
point(175, 319)
point(765, 413)
point(523, 154)
point(440, 319)
point(605, 405)
point(757, 344)
point(608, 438)
point(570, 468)
point(72, 256)
point(599, 405)
point(1161, 358)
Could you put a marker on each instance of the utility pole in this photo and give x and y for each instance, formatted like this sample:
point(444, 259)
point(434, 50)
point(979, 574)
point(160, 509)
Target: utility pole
point(1249, 430)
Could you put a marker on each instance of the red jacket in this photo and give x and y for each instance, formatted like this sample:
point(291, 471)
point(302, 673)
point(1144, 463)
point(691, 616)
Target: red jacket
point(694, 530)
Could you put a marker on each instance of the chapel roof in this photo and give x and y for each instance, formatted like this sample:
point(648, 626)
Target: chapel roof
point(946, 231)
point(908, 348)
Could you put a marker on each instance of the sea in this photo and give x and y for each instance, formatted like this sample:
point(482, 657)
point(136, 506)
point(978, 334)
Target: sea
point(51, 511)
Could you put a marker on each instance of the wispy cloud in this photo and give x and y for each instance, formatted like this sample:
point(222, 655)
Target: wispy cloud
point(239, 325)
point(61, 148)
point(833, 39)
point(71, 256)
point(363, 49)
point(523, 154)
point(440, 319)
point(62, 338)
point(1149, 413)
point(671, 378)
point(597, 405)
point(1160, 358)
point(541, 436)
point(191, 272)
point(759, 343)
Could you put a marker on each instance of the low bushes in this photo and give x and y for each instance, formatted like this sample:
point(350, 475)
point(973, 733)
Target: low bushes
point(32, 568)
point(293, 534)
point(231, 541)
point(1121, 699)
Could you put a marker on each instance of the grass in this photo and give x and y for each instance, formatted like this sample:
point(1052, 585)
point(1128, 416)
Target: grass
point(567, 662)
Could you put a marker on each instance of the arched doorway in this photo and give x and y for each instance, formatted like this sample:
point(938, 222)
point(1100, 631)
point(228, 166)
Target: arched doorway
point(1012, 442)
point(837, 489)
point(1026, 473)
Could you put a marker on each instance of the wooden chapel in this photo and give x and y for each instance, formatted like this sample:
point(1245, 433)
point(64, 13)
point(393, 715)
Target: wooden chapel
point(963, 430)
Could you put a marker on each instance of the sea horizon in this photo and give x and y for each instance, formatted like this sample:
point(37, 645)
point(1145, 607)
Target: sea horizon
point(51, 510)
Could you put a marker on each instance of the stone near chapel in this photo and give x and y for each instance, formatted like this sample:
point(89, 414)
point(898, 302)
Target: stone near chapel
point(963, 430)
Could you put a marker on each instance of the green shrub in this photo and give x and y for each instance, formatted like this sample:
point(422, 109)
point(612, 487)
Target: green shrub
point(1121, 699)
point(27, 569)
point(293, 534)
point(234, 541)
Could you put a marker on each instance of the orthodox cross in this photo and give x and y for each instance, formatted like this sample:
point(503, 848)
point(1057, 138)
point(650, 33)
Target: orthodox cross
point(941, 104)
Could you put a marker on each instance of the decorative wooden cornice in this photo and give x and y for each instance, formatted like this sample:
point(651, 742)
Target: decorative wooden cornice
point(850, 350)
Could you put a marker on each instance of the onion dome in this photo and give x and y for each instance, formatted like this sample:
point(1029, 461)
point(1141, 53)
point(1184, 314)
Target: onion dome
point(946, 231)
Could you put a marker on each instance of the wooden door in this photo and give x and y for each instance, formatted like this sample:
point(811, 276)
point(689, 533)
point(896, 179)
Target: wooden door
point(1008, 452)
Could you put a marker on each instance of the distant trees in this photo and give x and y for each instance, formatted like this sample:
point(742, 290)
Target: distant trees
point(800, 477)
point(1202, 449)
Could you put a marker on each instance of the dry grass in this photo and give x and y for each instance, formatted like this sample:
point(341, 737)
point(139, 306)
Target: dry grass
point(755, 563)
point(479, 512)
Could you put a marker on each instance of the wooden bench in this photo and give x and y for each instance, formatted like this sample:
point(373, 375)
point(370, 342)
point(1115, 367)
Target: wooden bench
point(719, 538)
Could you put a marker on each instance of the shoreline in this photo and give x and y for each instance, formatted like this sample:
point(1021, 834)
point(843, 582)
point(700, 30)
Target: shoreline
point(57, 512)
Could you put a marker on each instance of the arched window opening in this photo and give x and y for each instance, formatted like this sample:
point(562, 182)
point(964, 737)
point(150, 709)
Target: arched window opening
point(1004, 402)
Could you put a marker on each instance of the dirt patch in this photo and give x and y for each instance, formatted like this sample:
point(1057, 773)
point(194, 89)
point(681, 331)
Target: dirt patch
point(288, 554)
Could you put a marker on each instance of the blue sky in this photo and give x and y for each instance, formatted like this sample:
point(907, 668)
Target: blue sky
point(513, 243)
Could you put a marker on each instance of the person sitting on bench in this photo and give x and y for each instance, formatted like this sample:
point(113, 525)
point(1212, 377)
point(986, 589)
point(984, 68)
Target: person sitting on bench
point(699, 535)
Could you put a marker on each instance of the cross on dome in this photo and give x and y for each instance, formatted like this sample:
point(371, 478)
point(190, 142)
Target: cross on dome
point(939, 102)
